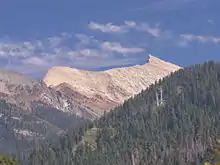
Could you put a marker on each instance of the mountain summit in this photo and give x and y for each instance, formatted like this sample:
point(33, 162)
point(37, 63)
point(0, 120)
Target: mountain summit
point(103, 90)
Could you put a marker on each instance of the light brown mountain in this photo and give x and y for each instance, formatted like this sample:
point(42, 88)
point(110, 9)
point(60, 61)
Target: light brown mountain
point(26, 93)
point(103, 90)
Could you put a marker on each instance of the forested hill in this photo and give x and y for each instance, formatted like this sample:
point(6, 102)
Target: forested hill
point(178, 131)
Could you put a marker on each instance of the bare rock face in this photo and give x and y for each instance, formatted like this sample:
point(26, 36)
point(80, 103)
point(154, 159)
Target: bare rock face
point(103, 90)
point(26, 93)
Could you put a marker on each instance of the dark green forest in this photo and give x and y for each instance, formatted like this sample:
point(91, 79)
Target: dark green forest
point(181, 130)
point(44, 125)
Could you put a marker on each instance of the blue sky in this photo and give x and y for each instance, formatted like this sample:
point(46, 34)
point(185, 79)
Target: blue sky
point(97, 34)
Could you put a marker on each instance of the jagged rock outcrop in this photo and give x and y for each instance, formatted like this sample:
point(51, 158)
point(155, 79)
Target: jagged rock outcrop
point(103, 90)
point(26, 93)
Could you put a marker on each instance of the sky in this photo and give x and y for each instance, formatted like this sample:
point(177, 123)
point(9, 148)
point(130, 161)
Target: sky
point(101, 34)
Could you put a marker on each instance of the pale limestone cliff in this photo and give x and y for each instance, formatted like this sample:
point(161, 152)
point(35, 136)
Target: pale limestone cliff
point(103, 90)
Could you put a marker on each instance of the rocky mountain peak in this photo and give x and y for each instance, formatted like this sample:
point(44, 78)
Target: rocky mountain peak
point(103, 90)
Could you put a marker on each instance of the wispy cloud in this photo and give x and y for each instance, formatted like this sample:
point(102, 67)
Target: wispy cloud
point(128, 25)
point(58, 50)
point(156, 32)
point(116, 47)
point(210, 21)
point(35, 61)
point(86, 51)
point(17, 49)
point(109, 27)
point(201, 39)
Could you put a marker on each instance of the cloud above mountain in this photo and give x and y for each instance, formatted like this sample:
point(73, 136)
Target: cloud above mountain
point(76, 50)
point(120, 44)
point(201, 39)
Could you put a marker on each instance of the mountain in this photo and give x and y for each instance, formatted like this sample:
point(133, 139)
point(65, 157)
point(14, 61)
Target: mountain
point(104, 90)
point(30, 111)
point(26, 93)
point(180, 130)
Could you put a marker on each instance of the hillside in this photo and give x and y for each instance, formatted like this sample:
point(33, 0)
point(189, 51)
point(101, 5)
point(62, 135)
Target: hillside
point(178, 131)
point(25, 93)
point(103, 90)
point(19, 130)
point(30, 111)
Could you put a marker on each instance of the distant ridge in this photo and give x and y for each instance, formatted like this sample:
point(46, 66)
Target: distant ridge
point(25, 93)
point(103, 90)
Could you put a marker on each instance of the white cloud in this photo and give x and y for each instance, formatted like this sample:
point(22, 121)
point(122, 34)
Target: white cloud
point(128, 25)
point(35, 60)
point(116, 47)
point(89, 53)
point(81, 50)
point(156, 32)
point(16, 49)
point(54, 41)
point(84, 39)
point(109, 27)
point(38, 55)
point(201, 39)
point(103, 50)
